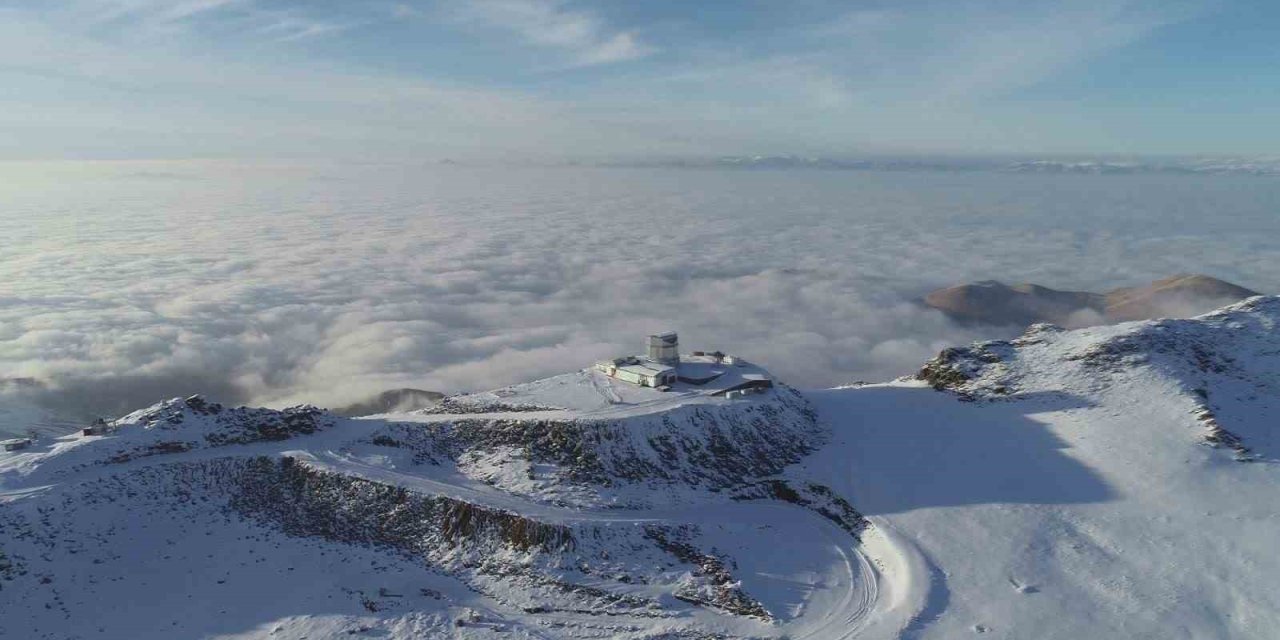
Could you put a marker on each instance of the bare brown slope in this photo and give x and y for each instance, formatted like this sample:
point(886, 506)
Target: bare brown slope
point(996, 303)
point(1178, 296)
point(992, 302)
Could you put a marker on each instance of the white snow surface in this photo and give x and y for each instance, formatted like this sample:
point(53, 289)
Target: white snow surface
point(1062, 485)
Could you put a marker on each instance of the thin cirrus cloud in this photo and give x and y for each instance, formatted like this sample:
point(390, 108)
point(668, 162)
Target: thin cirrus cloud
point(584, 36)
point(126, 20)
point(580, 79)
point(980, 49)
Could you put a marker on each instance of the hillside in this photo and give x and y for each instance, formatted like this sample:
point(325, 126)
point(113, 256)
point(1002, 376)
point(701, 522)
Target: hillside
point(564, 507)
point(1109, 482)
point(1116, 481)
point(995, 303)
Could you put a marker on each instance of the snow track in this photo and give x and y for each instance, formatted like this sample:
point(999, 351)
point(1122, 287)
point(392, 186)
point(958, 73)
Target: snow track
point(905, 589)
point(841, 587)
point(841, 605)
point(815, 579)
point(1079, 474)
point(858, 597)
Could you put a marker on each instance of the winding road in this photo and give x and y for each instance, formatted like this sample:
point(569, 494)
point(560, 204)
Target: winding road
point(823, 584)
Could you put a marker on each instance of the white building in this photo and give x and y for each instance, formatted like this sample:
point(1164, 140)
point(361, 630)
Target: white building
point(15, 444)
point(645, 373)
point(702, 372)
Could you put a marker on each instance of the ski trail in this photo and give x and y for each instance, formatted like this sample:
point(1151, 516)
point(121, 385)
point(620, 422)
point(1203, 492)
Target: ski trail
point(856, 581)
point(881, 587)
point(908, 591)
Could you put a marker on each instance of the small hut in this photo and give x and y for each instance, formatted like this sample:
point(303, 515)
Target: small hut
point(16, 444)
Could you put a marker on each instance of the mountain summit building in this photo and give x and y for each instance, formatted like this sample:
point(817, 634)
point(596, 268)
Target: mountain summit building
point(664, 348)
point(639, 371)
point(657, 369)
point(662, 367)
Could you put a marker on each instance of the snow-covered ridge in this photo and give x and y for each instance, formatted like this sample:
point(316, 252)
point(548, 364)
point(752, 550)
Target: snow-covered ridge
point(558, 457)
point(617, 510)
point(1058, 486)
point(1227, 363)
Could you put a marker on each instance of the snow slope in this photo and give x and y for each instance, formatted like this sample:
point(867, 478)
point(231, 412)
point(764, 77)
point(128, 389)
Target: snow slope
point(1060, 486)
point(1114, 482)
point(650, 516)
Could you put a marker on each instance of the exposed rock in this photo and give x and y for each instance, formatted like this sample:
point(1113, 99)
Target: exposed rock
point(816, 497)
point(1227, 354)
point(713, 447)
point(954, 368)
point(308, 502)
point(393, 401)
point(713, 584)
point(445, 493)
point(452, 405)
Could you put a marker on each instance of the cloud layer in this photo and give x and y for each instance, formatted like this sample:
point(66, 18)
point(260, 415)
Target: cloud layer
point(283, 283)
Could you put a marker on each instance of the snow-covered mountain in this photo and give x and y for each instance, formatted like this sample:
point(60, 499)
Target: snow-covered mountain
point(1190, 166)
point(1261, 166)
point(1109, 482)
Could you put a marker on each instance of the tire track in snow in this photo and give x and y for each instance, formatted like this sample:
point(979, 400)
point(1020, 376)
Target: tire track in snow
point(859, 583)
point(910, 591)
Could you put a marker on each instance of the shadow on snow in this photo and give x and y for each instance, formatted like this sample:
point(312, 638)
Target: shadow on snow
point(913, 448)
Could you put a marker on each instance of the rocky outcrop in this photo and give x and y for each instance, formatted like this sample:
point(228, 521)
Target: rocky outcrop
point(392, 401)
point(710, 446)
point(533, 510)
point(955, 368)
point(816, 497)
point(181, 425)
point(454, 406)
point(1224, 362)
point(305, 501)
point(712, 584)
point(1217, 435)
point(218, 425)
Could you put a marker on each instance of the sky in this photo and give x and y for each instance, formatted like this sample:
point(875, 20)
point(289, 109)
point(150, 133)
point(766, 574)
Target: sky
point(516, 80)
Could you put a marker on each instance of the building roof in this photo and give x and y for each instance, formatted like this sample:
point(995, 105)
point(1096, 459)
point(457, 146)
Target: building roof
point(647, 367)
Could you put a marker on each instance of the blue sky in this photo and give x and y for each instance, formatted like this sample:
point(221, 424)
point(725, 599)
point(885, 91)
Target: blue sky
point(550, 79)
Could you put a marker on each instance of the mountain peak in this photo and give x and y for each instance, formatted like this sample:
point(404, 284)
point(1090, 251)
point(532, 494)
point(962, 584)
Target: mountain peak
point(995, 303)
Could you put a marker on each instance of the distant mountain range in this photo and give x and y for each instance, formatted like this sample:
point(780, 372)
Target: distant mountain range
point(1267, 166)
point(995, 303)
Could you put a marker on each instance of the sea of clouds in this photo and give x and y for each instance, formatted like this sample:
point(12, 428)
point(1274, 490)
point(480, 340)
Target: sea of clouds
point(122, 283)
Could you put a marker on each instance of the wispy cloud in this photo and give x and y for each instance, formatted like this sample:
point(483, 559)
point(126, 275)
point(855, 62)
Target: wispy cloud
point(240, 17)
point(918, 75)
point(549, 23)
point(974, 50)
point(152, 94)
